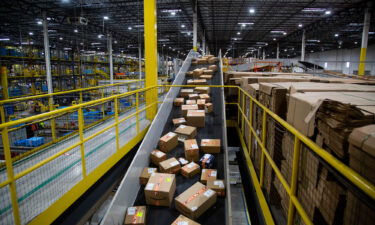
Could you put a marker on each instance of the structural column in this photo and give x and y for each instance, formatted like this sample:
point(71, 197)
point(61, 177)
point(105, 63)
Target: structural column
point(277, 51)
point(264, 54)
point(140, 60)
point(204, 43)
point(195, 28)
point(362, 57)
point(47, 55)
point(303, 46)
point(151, 65)
point(109, 45)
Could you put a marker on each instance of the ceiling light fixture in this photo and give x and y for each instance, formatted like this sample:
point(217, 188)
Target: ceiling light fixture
point(238, 33)
point(39, 22)
point(300, 25)
point(31, 33)
point(105, 17)
point(336, 35)
point(130, 28)
point(274, 39)
point(173, 13)
point(183, 25)
point(328, 12)
point(252, 10)
point(60, 38)
point(75, 31)
point(4, 39)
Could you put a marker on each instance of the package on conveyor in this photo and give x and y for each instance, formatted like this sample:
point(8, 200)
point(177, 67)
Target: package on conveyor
point(212, 60)
point(194, 62)
point(202, 61)
point(211, 146)
point(168, 142)
point(201, 104)
point(218, 186)
point(197, 73)
point(208, 72)
point(200, 81)
point(207, 77)
point(186, 132)
point(171, 165)
point(182, 220)
point(205, 97)
point(193, 96)
point(186, 108)
point(213, 68)
point(178, 101)
point(190, 170)
point(190, 82)
point(160, 189)
point(179, 121)
point(157, 156)
point(183, 161)
point(202, 90)
point(207, 161)
point(209, 107)
point(196, 118)
point(145, 175)
point(185, 92)
point(135, 215)
point(208, 174)
point(189, 73)
point(191, 102)
point(195, 200)
point(191, 150)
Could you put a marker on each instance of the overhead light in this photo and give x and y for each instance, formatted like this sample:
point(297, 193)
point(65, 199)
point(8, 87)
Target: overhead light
point(188, 33)
point(115, 42)
point(170, 47)
point(66, 49)
point(65, 1)
point(105, 17)
point(4, 39)
point(328, 12)
point(60, 38)
point(130, 28)
point(325, 65)
point(95, 43)
point(356, 42)
point(81, 43)
point(311, 51)
point(244, 24)
point(173, 13)
point(183, 25)
point(285, 50)
point(100, 35)
point(31, 33)
point(75, 31)
point(347, 64)
point(39, 22)
point(274, 39)
point(238, 33)
point(336, 35)
point(252, 10)
point(277, 31)
point(300, 25)
point(284, 33)
point(163, 45)
point(313, 10)
point(235, 39)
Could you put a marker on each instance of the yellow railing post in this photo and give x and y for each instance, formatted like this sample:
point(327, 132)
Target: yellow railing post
point(293, 186)
point(136, 108)
point(4, 82)
point(80, 97)
point(238, 102)
point(53, 122)
point(10, 173)
point(103, 113)
point(81, 137)
point(118, 89)
point(250, 127)
point(2, 114)
point(116, 127)
point(243, 110)
point(128, 87)
point(264, 131)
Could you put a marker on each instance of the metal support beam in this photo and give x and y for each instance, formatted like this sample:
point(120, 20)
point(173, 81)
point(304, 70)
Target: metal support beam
point(140, 60)
point(204, 43)
point(362, 57)
point(264, 54)
point(195, 28)
point(277, 51)
point(4, 82)
point(109, 46)
point(151, 47)
point(303, 45)
point(47, 54)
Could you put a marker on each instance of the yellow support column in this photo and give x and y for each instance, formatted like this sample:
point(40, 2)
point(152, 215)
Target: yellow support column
point(4, 82)
point(362, 57)
point(81, 125)
point(151, 48)
point(117, 125)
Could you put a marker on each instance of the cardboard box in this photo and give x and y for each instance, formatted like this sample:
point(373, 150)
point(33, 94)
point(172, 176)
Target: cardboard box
point(197, 73)
point(195, 118)
point(212, 60)
point(179, 121)
point(135, 215)
point(168, 142)
point(182, 220)
point(211, 146)
point(191, 150)
point(191, 102)
point(190, 82)
point(178, 101)
point(202, 90)
point(145, 175)
point(209, 107)
point(189, 74)
point(207, 161)
point(183, 161)
point(185, 92)
point(218, 186)
point(205, 97)
point(207, 77)
point(213, 68)
point(200, 81)
point(195, 201)
point(157, 156)
point(202, 61)
point(171, 165)
point(193, 96)
point(160, 189)
point(208, 174)
point(185, 108)
point(201, 104)
point(208, 72)
point(190, 170)
point(186, 132)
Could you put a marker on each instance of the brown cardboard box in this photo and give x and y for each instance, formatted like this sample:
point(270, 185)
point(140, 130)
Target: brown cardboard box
point(212, 60)
point(209, 107)
point(168, 142)
point(200, 81)
point(195, 118)
point(157, 156)
point(185, 108)
point(183, 161)
point(160, 189)
point(208, 174)
point(145, 175)
point(190, 82)
point(193, 96)
point(208, 72)
point(191, 150)
point(207, 77)
point(191, 102)
point(135, 215)
point(190, 170)
point(195, 201)
point(201, 104)
point(189, 74)
point(211, 146)
point(202, 61)
point(205, 97)
point(171, 165)
point(186, 92)
point(197, 73)
point(186, 132)
point(178, 101)
point(218, 186)
point(202, 90)
point(179, 121)
point(213, 68)
point(182, 220)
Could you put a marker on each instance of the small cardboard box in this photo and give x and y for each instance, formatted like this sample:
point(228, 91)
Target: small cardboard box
point(218, 186)
point(193, 96)
point(185, 108)
point(179, 121)
point(213, 68)
point(183, 161)
point(208, 174)
point(191, 150)
point(209, 107)
point(205, 97)
point(195, 201)
point(190, 170)
point(197, 72)
point(190, 82)
point(157, 156)
point(202, 61)
point(171, 165)
point(178, 101)
point(195, 118)
point(145, 175)
point(186, 132)
point(182, 220)
point(207, 161)
point(191, 102)
point(168, 142)
point(202, 90)
point(212, 60)
point(186, 92)
point(200, 81)
point(189, 74)
point(211, 146)
point(160, 189)
point(201, 104)
point(207, 77)
point(208, 72)
point(135, 215)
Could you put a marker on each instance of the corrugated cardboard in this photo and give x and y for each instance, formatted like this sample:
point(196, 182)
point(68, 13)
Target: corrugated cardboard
point(193, 96)
point(202, 61)
point(189, 74)
point(145, 175)
point(190, 82)
point(211, 145)
point(330, 87)
point(207, 77)
point(157, 156)
point(195, 118)
point(179, 121)
point(195, 201)
point(182, 220)
point(186, 132)
point(212, 60)
point(191, 102)
point(208, 174)
point(135, 215)
point(185, 108)
point(209, 107)
point(190, 170)
point(202, 90)
point(218, 186)
point(364, 139)
point(186, 92)
point(160, 189)
point(168, 142)
point(201, 104)
point(200, 81)
point(171, 165)
point(191, 150)
point(208, 72)
point(205, 97)
point(183, 161)
point(178, 101)
point(213, 68)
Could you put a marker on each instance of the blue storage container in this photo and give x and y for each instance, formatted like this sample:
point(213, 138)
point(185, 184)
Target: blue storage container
point(9, 109)
point(44, 88)
point(21, 142)
point(3, 51)
point(35, 141)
